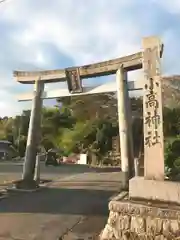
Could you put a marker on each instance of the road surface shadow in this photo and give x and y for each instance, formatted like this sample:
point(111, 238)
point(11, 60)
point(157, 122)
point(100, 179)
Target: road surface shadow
point(62, 168)
point(59, 201)
point(77, 168)
point(107, 169)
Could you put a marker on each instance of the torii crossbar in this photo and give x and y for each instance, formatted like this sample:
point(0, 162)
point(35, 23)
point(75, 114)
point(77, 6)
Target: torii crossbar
point(131, 62)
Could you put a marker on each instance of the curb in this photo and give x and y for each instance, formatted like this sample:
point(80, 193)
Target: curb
point(14, 190)
point(7, 190)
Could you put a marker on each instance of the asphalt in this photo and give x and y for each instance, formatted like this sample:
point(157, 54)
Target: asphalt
point(13, 171)
point(73, 207)
point(11, 167)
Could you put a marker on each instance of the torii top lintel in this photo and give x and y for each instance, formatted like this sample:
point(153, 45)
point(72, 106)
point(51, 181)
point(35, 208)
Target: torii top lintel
point(131, 62)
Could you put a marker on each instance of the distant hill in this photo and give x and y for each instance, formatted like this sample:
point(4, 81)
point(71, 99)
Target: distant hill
point(171, 91)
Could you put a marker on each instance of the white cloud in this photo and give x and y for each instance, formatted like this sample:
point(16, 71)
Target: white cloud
point(9, 105)
point(95, 40)
point(83, 31)
point(171, 6)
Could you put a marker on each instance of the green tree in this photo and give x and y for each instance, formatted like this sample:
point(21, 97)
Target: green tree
point(171, 121)
point(53, 123)
point(91, 106)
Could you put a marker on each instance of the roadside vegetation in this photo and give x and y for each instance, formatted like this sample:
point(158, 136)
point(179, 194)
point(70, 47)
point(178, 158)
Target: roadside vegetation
point(75, 125)
point(87, 125)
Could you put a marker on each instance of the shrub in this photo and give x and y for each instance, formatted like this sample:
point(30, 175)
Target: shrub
point(172, 156)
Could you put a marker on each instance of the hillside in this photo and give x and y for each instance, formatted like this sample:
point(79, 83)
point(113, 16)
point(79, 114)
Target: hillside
point(171, 91)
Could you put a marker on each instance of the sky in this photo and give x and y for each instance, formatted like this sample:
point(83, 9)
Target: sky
point(52, 34)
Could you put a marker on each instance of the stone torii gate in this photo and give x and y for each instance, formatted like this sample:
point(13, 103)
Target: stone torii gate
point(149, 60)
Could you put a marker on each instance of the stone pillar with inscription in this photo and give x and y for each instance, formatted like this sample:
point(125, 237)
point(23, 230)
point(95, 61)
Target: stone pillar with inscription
point(152, 110)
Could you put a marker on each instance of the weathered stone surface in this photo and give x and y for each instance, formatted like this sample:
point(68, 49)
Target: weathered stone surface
point(125, 236)
point(121, 196)
point(107, 233)
point(122, 225)
point(117, 233)
point(166, 227)
point(137, 224)
point(153, 226)
point(142, 221)
point(152, 190)
point(152, 107)
point(160, 237)
point(124, 222)
point(174, 227)
point(113, 217)
point(129, 208)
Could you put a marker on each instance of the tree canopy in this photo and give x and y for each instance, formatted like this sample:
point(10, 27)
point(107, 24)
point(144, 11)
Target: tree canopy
point(82, 124)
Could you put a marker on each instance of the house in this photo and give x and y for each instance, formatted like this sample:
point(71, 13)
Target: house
point(6, 150)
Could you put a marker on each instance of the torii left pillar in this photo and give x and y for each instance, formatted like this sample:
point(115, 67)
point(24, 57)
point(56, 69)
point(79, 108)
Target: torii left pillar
point(33, 139)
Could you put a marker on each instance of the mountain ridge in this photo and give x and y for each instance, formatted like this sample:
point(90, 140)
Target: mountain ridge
point(171, 91)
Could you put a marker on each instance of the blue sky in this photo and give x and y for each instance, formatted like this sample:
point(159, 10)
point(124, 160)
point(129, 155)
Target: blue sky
point(49, 34)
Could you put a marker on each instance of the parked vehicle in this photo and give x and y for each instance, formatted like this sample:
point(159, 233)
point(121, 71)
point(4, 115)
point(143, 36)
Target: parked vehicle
point(51, 158)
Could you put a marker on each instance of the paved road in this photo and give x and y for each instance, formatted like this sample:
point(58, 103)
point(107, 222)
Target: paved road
point(74, 207)
point(11, 167)
point(13, 171)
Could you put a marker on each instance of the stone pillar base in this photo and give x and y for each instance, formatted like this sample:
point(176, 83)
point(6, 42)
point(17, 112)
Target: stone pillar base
point(153, 190)
point(26, 185)
point(129, 220)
